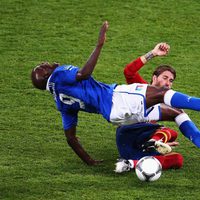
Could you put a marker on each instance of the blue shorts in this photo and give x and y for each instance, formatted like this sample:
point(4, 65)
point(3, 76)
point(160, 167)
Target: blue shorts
point(130, 138)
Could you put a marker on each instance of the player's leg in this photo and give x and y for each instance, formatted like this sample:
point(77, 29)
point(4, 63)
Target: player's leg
point(186, 126)
point(165, 135)
point(129, 140)
point(172, 98)
point(173, 134)
point(155, 113)
point(171, 160)
point(168, 161)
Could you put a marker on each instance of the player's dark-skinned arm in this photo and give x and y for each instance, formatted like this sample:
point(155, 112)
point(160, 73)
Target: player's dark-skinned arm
point(88, 68)
point(74, 143)
point(84, 73)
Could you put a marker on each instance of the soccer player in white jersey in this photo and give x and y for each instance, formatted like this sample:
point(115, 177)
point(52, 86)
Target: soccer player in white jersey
point(75, 90)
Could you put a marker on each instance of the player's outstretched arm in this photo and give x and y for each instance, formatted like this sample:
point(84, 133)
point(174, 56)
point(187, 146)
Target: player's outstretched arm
point(88, 68)
point(73, 142)
point(161, 49)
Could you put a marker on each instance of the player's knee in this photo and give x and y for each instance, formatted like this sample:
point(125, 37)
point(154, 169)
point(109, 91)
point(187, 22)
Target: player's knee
point(169, 113)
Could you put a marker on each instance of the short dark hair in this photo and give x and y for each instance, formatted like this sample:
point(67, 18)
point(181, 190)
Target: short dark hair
point(41, 73)
point(162, 68)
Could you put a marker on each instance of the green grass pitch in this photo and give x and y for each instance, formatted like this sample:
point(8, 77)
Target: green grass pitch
point(35, 161)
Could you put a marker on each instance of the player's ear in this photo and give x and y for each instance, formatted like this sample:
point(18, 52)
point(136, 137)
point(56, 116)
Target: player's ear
point(154, 79)
point(55, 64)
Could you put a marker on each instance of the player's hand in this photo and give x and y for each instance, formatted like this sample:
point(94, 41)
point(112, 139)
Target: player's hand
point(161, 49)
point(173, 144)
point(102, 34)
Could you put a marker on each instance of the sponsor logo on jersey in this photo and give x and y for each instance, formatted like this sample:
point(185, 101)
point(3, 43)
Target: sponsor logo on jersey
point(139, 87)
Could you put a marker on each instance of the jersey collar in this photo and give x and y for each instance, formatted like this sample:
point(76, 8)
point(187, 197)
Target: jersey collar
point(47, 86)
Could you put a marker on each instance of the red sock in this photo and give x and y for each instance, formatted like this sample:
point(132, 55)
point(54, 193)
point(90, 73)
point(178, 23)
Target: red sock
point(171, 161)
point(165, 135)
point(174, 135)
point(135, 162)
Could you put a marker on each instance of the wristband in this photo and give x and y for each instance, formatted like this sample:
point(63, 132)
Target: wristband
point(149, 56)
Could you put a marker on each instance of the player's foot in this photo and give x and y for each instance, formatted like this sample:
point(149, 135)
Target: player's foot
point(159, 146)
point(123, 165)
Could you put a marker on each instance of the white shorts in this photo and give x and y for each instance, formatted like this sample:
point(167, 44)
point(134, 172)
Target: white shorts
point(129, 105)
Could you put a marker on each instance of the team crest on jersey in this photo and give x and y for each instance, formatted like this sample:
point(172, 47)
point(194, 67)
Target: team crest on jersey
point(139, 87)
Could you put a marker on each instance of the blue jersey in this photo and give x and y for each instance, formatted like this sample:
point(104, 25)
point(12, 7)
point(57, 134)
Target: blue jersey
point(71, 95)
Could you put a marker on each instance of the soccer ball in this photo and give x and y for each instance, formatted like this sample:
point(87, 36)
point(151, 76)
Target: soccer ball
point(148, 168)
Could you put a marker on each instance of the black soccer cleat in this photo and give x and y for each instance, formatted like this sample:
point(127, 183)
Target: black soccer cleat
point(153, 145)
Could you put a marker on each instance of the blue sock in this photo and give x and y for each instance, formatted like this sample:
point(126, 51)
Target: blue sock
point(190, 131)
point(183, 101)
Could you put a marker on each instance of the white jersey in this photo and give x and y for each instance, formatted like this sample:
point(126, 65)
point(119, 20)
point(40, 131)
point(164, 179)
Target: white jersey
point(129, 105)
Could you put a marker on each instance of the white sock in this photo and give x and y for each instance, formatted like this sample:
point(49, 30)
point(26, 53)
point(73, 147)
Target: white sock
point(132, 163)
point(168, 96)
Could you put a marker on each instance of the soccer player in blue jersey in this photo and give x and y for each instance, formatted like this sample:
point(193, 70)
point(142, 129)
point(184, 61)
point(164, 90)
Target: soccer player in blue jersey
point(74, 90)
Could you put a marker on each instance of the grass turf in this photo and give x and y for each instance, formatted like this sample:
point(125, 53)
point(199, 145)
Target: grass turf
point(35, 161)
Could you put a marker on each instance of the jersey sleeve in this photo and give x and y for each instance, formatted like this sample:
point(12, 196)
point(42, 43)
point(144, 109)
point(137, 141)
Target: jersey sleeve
point(69, 119)
point(131, 72)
